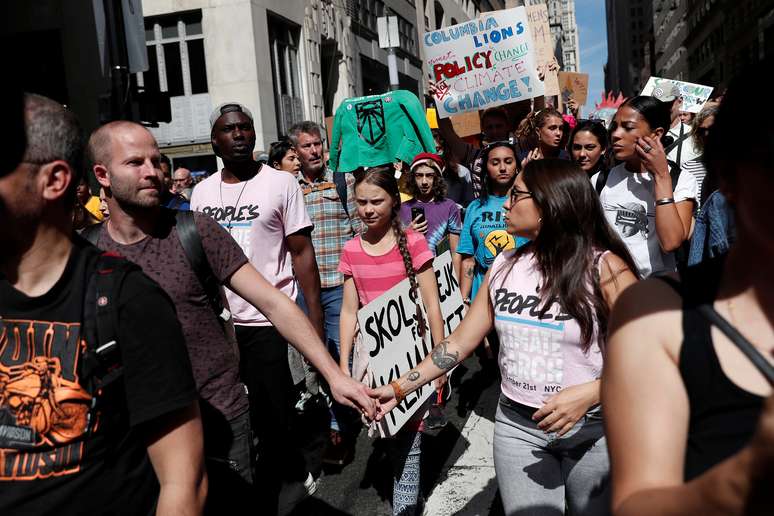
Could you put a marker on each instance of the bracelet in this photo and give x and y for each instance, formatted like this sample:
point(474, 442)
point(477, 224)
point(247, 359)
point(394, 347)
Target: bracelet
point(399, 394)
point(665, 200)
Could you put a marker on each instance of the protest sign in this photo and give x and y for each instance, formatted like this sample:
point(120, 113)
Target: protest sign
point(482, 63)
point(544, 46)
point(575, 85)
point(466, 124)
point(449, 293)
point(394, 346)
point(694, 95)
point(390, 333)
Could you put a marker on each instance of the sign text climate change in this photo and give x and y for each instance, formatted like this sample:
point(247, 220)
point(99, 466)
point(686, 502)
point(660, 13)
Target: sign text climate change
point(391, 337)
point(483, 63)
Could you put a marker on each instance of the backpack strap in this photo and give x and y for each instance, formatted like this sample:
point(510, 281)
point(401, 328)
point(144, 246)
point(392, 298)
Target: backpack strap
point(601, 181)
point(678, 143)
point(192, 245)
point(101, 362)
point(708, 312)
point(340, 179)
point(91, 233)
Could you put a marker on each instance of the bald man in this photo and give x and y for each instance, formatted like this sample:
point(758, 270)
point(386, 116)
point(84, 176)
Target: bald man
point(126, 159)
point(182, 183)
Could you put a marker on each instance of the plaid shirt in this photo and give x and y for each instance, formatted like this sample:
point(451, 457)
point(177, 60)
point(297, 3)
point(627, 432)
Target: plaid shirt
point(332, 226)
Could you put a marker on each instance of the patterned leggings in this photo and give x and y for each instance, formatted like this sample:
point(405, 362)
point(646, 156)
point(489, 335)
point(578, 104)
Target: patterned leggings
point(405, 450)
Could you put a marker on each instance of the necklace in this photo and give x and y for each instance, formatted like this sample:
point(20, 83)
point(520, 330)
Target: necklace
point(220, 191)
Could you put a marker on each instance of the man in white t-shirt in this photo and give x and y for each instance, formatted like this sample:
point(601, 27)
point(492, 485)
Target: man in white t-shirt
point(263, 210)
point(682, 149)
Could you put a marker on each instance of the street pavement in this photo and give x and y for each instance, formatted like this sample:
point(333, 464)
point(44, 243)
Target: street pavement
point(457, 468)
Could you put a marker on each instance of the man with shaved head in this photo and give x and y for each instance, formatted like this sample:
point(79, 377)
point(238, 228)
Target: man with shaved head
point(182, 183)
point(125, 159)
point(75, 439)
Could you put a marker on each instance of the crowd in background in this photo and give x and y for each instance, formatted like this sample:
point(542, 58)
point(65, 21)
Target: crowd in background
point(614, 272)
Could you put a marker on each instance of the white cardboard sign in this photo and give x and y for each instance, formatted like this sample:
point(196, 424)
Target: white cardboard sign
point(482, 63)
point(694, 95)
point(390, 333)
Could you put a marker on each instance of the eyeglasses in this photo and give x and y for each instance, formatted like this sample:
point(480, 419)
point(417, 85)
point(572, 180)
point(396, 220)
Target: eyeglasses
point(515, 192)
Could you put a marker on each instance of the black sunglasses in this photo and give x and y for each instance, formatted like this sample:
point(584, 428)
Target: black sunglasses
point(515, 192)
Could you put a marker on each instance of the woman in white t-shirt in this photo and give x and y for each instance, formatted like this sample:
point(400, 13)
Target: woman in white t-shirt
point(652, 216)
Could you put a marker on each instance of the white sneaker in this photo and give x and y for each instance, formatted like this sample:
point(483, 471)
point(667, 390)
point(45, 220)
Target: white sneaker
point(293, 493)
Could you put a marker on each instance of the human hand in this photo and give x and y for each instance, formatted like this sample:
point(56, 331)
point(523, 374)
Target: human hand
point(353, 394)
point(653, 158)
point(564, 409)
point(541, 71)
point(574, 107)
point(440, 382)
point(432, 88)
point(533, 155)
point(384, 397)
point(419, 224)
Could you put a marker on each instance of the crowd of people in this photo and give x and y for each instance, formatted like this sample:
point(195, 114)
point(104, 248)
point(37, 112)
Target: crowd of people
point(157, 339)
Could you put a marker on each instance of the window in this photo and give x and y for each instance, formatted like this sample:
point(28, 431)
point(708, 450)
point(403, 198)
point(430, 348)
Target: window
point(408, 39)
point(175, 54)
point(283, 43)
point(369, 11)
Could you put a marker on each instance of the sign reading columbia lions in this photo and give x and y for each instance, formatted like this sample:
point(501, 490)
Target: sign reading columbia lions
point(483, 63)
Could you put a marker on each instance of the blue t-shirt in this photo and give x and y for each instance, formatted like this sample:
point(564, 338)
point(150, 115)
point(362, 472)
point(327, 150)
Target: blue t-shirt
point(484, 237)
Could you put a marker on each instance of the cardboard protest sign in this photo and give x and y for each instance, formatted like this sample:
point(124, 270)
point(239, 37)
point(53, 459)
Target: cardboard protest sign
point(466, 124)
point(392, 340)
point(544, 46)
point(482, 63)
point(390, 333)
point(694, 95)
point(575, 85)
point(449, 293)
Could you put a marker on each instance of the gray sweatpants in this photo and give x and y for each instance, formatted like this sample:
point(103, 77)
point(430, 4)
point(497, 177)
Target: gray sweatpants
point(540, 474)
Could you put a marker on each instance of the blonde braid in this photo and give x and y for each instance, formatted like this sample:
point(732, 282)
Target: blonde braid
point(402, 240)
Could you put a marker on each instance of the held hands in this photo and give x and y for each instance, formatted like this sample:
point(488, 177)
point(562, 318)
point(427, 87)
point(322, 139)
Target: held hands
point(653, 158)
point(353, 394)
point(385, 399)
point(419, 224)
point(563, 410)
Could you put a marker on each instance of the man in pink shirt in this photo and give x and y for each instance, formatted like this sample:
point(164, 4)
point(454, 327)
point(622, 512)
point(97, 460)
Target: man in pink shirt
point(263, 209)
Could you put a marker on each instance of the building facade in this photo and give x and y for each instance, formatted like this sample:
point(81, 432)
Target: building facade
point(286, 60)
point(629, 33)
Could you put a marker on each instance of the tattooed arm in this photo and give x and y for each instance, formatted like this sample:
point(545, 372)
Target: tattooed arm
point(448, 353)
point(466, 280)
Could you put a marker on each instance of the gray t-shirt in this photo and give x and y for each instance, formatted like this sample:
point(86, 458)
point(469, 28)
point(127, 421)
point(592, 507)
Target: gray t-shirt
point(214, 359)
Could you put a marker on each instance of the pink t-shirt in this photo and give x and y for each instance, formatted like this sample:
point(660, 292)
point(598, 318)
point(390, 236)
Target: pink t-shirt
point(539, 356)
point(259, 214)
point(375, 275)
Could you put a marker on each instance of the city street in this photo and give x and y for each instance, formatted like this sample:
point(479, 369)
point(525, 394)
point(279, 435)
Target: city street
point(457, 468)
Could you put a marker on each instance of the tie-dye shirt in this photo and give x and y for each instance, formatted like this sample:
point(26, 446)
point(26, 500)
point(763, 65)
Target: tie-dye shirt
point(443, 218)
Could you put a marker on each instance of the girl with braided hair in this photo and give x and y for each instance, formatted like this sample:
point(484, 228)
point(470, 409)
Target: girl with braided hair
point(372, 263)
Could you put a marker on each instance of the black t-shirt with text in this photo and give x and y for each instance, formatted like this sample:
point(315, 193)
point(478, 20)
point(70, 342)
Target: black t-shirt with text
point(49, 462)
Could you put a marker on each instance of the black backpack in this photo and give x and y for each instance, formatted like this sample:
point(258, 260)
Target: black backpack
point(340, 180)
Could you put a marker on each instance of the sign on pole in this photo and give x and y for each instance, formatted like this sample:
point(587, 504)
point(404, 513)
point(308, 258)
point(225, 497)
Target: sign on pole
point(482, 63)
point(694, 95)
point(392, 341)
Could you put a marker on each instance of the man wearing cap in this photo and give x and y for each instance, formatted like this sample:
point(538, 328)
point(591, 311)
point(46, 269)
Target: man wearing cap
point(335, 222)
point(430, 211)
point(682, 148)
point(263, 210)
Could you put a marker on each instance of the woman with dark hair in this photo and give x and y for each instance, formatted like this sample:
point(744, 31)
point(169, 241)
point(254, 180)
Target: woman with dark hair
point(589, 146)
point(282, 156)
point(693, 431)
point(549, 302)
point(700, 129)
point(372, 263)
point(540, 135)
point(646, 200)
point(483, 235)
